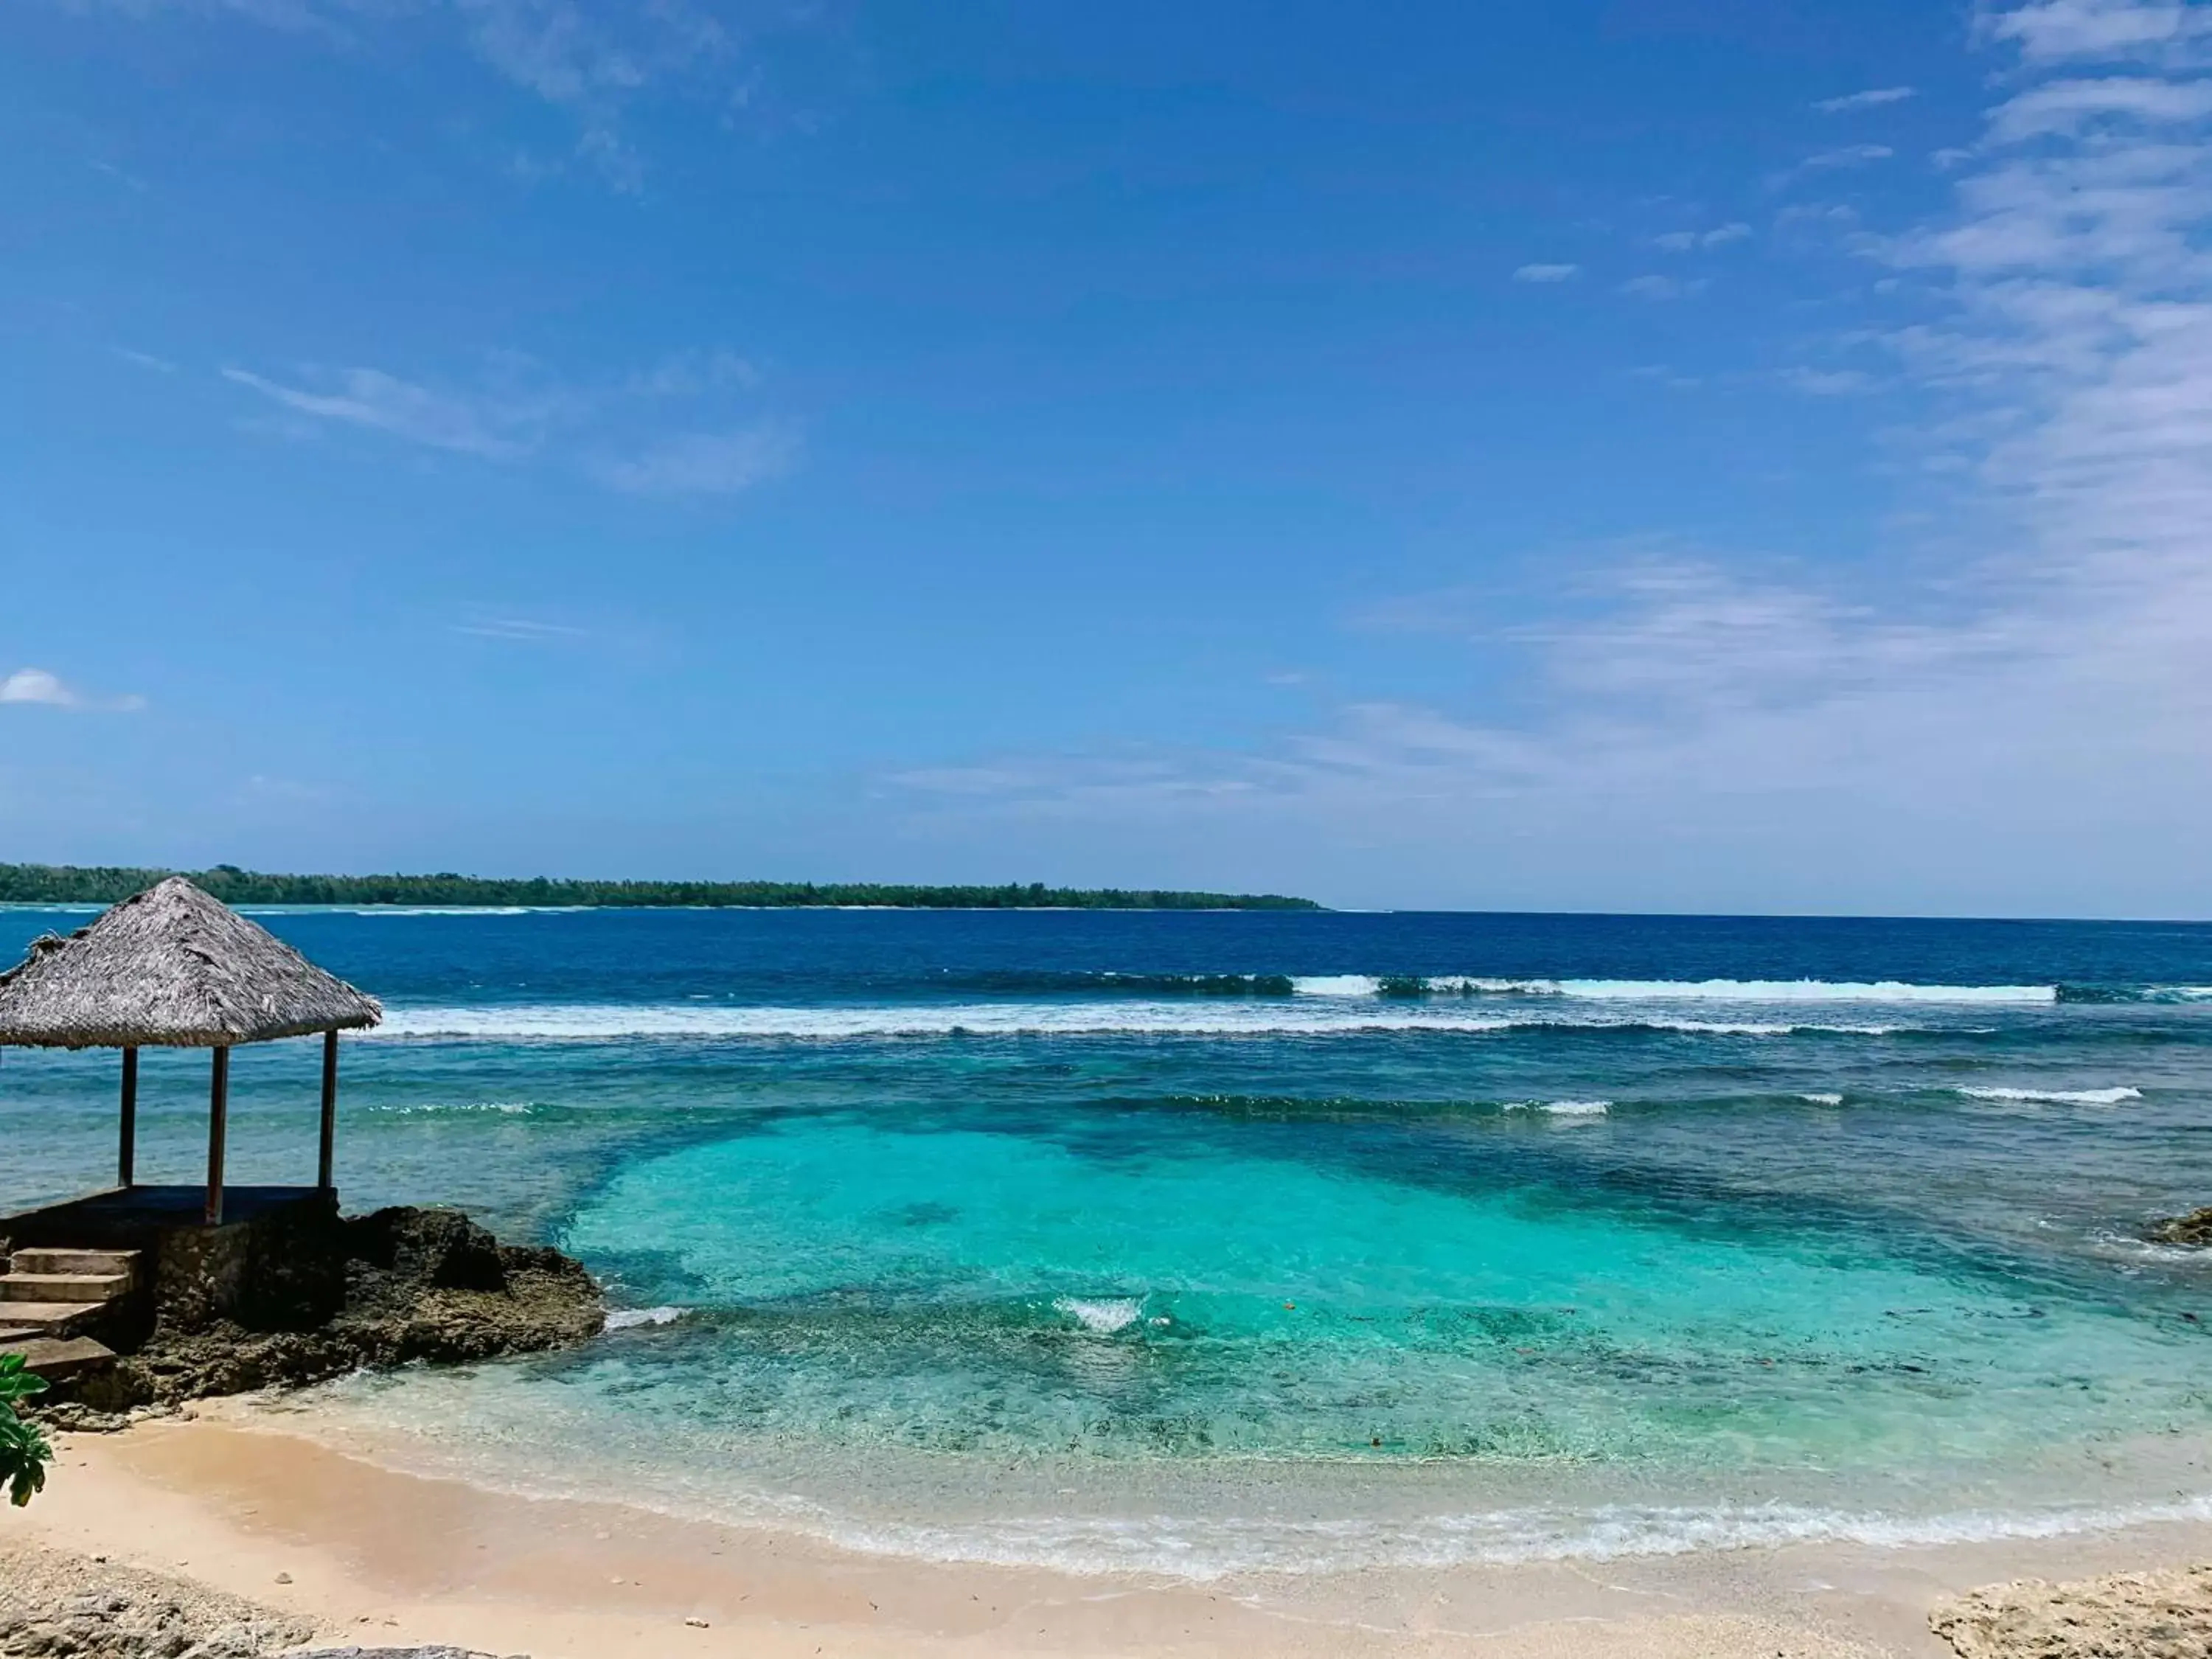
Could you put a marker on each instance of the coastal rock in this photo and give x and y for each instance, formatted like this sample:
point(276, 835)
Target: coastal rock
point(2129, 1615)
point(380, 1290)
point(2195, 1228)
point(55, 1605)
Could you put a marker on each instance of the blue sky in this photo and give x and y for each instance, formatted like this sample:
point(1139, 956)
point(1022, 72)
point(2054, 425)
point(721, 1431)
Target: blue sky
point(1669, 454)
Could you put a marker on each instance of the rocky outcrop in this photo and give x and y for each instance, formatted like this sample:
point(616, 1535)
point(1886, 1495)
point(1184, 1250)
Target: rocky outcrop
point(379, 1290)
point(55, 1604)
point(2129, 1615)
point(2195, 1228)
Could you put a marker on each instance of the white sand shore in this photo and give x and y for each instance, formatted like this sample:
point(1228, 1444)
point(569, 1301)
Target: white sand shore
point(370, 1555)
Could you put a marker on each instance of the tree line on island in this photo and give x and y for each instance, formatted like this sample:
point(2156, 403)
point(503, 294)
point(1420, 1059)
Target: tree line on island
point(53, 884)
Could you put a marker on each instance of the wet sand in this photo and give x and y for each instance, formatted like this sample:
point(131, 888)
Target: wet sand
point(379, 1557)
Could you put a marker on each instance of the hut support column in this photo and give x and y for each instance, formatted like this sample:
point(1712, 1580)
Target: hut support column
point(218, 1110)
point(330, 1111)
point(126, 1153)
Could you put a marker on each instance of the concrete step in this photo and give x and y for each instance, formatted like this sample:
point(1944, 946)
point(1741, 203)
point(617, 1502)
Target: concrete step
point(64, 1287)
point(75, 1261)
point(53, 1318)
point(58, 1357)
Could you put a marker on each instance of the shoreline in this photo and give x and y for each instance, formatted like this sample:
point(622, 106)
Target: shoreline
point(373, 1555)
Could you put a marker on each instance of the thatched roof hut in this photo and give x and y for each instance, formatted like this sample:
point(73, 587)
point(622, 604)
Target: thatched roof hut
point(173, 968)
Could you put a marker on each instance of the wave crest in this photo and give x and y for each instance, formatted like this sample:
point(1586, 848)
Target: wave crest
point(2055, 1096)
point(586, 1022)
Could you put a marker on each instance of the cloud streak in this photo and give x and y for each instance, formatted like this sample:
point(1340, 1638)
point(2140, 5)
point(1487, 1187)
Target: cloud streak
point(491, 427)
point(611, 435)
point(591, 60)
point(703, 462)
point(42, 688)
point(1872, 98)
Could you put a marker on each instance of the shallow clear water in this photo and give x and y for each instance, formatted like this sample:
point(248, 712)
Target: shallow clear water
point(1202, 1242)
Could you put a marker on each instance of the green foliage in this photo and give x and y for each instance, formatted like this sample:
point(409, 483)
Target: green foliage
point(47, 884)
point(25, 1451)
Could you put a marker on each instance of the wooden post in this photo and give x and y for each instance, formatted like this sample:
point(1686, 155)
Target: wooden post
point(218, 1108)
point(330, 1110)
point(126, 1155)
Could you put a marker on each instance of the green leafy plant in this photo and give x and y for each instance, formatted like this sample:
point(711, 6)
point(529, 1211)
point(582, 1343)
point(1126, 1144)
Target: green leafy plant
point(25, 1451)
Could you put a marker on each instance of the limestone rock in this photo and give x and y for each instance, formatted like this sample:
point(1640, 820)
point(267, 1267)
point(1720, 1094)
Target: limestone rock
point(2129, 1615)
point(54, 1605)
point(410, 1285)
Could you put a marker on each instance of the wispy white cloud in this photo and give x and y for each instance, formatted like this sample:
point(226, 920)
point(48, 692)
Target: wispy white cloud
point(615, 433)
point(37, 685)
point(1829, 382)
point(591, 58)
point(1547, 273)
point(1847, 155)
point(692, 374)
point(2067, 107)
point(145, 360)
point(1663, 287)
point(490, 426)
point(702, 463)
point(42, 687)
point(1872, 98)
point(2071, 31)
point(1682, 241)
point(522, 630)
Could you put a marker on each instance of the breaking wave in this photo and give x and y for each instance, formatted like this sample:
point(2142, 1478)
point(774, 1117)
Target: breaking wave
point(624, 1319)
point(1318, 1017)
point(1669, 990)
point(2056, 1096)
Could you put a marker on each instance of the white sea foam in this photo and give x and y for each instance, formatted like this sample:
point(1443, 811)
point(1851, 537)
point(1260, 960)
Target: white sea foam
point(1704, 990)
point(1566, 1108)
point(1822, 1099)
point(2056, 1096)
point(1104, 1317)
point(1206, 1550)
point(1798, 990)
point(1211, 1017)
point(444, 1109)
point(623, 1319)
point(1318, 1016)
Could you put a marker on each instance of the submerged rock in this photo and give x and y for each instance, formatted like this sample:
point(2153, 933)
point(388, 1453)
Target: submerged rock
point(2195, 1228)
point(379, 1291)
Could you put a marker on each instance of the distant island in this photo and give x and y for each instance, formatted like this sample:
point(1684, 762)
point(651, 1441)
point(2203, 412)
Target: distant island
point(55, 883)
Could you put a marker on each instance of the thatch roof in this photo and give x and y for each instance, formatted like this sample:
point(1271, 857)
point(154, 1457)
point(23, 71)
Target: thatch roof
point(172, 968)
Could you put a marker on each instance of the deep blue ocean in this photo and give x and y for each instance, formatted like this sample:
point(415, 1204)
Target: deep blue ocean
point(1197, 1242)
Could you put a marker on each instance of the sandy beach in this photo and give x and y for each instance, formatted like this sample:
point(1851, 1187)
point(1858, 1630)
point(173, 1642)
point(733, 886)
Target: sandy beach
point(373, 1556)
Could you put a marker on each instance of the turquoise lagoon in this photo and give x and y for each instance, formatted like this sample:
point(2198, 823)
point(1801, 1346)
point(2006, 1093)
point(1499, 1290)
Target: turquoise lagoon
point(1219, 1243)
